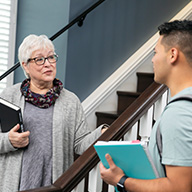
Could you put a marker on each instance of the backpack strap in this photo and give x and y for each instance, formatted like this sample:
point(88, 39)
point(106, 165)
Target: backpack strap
point(182, 97)
point(159, 145)
point(159, 141)
point(158, 133)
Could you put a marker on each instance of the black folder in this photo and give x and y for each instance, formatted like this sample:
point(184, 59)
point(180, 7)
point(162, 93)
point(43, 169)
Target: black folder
point(10, 115)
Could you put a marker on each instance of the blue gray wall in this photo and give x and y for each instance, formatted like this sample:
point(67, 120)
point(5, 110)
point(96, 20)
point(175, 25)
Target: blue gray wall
point(110, 34)
point(43, 17)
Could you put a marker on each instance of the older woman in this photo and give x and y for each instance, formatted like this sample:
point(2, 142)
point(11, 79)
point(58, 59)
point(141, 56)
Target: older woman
point(54, 122)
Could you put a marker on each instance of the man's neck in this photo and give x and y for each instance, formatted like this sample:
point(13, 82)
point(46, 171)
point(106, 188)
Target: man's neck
point(178, 88)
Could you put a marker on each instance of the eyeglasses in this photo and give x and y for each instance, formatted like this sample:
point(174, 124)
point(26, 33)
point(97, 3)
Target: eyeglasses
point(41, 60)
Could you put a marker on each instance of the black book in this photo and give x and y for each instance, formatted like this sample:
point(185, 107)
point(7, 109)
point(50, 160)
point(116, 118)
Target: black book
point(10, 115)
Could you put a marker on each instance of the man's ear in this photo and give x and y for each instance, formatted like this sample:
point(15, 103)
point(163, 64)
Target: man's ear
point(174, 53)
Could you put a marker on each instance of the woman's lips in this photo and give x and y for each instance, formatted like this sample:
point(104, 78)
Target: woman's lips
point(48, 72)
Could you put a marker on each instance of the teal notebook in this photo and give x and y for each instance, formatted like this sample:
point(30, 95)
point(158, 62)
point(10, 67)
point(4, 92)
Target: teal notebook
point(132, 157)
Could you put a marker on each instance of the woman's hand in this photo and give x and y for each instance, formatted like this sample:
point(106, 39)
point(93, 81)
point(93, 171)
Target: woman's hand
point(17, 139)
point(104, 128)
point(111, 175)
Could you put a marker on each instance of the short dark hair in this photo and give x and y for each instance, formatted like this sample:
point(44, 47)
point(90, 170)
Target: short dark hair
point(178, 34)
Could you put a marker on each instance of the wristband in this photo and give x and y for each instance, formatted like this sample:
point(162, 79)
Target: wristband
point(120, 184)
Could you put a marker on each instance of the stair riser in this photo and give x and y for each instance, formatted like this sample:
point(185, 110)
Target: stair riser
point(125, 99)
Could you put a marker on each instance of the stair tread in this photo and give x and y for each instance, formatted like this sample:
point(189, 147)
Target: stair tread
point(126, 98)
point(127, 93)
point(107, 113)
point(145, 74)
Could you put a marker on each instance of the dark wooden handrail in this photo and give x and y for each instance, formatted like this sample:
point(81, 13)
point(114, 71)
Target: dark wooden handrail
point(89, 158)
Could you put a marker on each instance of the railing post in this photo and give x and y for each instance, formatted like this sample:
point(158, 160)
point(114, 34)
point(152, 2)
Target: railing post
point(95, 181)
point(80, 186)
point(160, 105)
point(146, 123)
point(132, 133)
point(111, 188)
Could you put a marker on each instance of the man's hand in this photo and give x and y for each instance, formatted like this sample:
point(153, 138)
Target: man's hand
point(111, 175)
point(18, 140)
point(178, 179)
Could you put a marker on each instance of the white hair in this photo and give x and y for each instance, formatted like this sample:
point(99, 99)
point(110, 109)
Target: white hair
point(30, 44)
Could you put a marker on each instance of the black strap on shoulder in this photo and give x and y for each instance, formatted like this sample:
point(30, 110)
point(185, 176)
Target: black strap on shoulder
point(158, 133)
point(182, 97)
point(159, 141)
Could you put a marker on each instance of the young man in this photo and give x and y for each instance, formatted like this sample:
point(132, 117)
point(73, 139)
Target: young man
point(173, 67)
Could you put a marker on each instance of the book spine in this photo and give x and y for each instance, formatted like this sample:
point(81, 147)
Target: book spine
point(150, 160)
point(21, 121)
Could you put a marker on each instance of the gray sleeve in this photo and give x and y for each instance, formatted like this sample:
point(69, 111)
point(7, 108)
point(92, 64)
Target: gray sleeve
point(5, 145)
point(83, 136)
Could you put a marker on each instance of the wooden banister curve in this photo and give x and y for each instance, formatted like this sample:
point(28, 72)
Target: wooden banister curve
point(89, 158)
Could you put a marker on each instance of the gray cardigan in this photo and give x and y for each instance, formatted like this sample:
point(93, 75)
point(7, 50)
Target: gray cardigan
point(70, 132)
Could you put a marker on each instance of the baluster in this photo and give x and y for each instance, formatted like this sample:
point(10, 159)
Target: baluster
point(95, 181)
point(111, 188)
point(79, 187)
point(132, 133)
point(146, 123)
point(160, 105)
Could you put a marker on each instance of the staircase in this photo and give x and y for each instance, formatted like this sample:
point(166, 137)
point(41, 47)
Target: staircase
point(125, 99)
point(136, 120)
